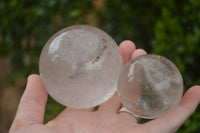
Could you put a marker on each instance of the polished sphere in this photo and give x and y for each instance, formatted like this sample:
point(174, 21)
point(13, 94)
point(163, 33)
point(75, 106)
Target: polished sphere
point(150, 86)
point(79, 66)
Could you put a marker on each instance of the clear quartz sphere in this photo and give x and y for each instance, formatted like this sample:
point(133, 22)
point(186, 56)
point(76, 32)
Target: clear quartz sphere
point(150, 86)
point(80, 65)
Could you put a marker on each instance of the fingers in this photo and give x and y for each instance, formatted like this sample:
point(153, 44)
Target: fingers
point(138, 52)
point(32, 104)
point(129, 116)
point(176, 118)
point(126, 49)
point(113, 104)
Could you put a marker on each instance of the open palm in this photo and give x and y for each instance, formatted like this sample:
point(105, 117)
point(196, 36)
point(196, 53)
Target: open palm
point(30, 114)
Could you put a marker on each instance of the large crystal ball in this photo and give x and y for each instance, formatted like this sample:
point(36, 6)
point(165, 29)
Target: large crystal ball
point(150, 86)
point(80, 65)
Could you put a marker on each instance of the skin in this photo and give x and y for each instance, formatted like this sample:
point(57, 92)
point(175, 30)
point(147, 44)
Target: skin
point(30, 113)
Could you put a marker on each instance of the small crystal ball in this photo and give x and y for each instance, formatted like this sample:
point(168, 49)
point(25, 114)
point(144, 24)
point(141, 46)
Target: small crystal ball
point(150, 86)
point(79, 66)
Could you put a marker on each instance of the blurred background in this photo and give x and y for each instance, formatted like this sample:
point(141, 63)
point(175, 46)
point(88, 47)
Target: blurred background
point(169, 28)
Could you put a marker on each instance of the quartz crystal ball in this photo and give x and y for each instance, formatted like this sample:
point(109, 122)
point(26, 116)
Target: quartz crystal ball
point(150, 86)
point(79, 66)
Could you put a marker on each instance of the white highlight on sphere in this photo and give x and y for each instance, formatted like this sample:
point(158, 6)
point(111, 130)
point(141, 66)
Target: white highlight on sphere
point(150, 86)
point(79, 66)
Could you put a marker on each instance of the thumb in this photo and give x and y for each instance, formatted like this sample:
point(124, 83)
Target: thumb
point(32, 104)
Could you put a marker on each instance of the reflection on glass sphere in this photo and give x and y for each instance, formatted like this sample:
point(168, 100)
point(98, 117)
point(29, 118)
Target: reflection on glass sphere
point(79, 66)
point(150, 86)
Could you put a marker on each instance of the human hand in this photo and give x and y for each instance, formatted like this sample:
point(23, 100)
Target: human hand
point(30, 113)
